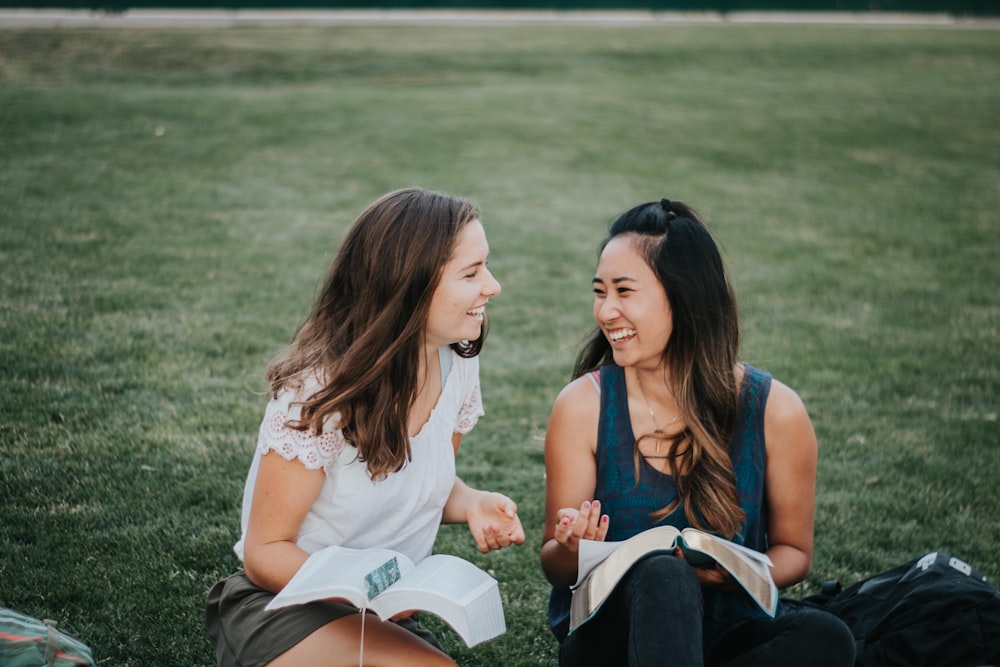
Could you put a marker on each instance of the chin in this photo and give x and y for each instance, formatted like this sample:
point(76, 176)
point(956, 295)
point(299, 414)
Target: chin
point(622, 359)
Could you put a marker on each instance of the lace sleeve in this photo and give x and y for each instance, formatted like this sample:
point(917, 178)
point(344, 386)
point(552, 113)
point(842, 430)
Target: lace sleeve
point(470, 412)
point(314, 451)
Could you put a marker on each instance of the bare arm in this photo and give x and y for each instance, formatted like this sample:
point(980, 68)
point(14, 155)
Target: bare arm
point(792, 455)
point(571, 481)
point(283, 494)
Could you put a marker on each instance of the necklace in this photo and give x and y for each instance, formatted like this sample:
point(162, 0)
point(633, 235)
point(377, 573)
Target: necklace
point(657, 429)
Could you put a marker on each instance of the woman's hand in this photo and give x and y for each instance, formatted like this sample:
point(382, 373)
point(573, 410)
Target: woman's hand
point(586, 523)
point(712, 576)
point(493, 521)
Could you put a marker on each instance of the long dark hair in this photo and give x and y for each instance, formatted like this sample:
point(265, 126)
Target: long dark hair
point(701, 356)
point(364, 335)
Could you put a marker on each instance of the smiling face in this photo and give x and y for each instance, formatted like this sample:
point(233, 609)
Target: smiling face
point(458, 307)
point(630, 305)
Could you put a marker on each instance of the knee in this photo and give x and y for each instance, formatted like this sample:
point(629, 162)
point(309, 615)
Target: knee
point(659, 568)
point(826, 636)
point(663, 575)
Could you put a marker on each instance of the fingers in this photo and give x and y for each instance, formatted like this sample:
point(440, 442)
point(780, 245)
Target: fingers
point(511, 529)
point(516, 532)
point(492, 539)
point(587, 523)
point(507, 507)
point(713, 577)
point(495, 537)
point(500, 526)
point(602, 528)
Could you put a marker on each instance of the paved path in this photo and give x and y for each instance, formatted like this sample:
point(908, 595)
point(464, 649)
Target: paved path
point(212, 18)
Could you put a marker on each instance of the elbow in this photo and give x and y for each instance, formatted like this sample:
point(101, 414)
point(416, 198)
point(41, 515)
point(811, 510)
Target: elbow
point(256, 569)
point(251, 570)
point(558, 564)
point(790, 565)
point(803, 571)
point(805, 565)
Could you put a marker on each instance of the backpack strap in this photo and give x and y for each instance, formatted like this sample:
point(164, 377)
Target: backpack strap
point(51, 643)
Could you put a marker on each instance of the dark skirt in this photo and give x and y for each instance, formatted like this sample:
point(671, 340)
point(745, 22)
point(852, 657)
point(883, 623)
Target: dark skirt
point(245, 635)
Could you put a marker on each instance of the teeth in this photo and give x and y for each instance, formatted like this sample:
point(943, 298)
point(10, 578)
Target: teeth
point(477, 312)
point(619, 334)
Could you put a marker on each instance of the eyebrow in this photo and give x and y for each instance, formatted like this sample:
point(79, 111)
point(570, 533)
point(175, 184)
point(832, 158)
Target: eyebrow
point(616, 281)
point(478, 262)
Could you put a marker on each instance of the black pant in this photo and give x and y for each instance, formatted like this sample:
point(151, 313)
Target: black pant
point(654, 618)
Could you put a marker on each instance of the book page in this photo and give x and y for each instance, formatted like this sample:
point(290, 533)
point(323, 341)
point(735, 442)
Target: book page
point(746, 551)
point(750, 569)
point(590, 554)
point(338, 572)
point(602, 564)
point(447, 576)
point(453, 589)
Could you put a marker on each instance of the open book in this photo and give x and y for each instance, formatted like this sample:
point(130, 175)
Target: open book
point(388, 583)
point(602, 564)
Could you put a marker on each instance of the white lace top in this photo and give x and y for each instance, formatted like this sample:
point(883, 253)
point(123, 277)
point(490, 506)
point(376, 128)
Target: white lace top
point(401, 512)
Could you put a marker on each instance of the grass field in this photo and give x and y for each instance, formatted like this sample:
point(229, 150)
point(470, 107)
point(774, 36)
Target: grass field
point(170, 199)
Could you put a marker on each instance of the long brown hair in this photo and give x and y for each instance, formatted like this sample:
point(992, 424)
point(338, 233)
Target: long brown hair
point(364, 336)
point(701, 357)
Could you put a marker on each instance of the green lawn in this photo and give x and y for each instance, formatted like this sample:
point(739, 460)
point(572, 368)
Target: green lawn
point(169, 201)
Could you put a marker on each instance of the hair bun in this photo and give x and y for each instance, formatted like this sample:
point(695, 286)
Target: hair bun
point(668, 208)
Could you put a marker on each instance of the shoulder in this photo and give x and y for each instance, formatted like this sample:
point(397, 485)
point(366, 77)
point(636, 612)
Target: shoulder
point(314, 450)
point(780, 401)
point(788, 430)
point(575, 413)
point(297, 389)
point(783, 404)
point(579, 397)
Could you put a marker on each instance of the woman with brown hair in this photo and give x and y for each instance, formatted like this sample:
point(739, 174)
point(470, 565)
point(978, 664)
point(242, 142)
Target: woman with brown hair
point(663, 424)
point(368, 405)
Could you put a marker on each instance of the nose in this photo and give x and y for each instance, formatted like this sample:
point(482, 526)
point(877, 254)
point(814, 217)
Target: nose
point(605, 310)
point(492, 285)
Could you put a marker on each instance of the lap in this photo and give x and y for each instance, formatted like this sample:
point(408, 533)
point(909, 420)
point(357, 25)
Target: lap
point(656, 610)
point(244, 634)
point(785, 640)
point(363, 639)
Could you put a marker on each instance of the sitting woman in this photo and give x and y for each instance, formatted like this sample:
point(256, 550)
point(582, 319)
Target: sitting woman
point(662, 424)
point(357, 446)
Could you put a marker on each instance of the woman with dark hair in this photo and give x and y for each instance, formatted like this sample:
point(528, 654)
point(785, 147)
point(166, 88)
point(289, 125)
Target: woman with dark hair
point(368, 405)
point(662, 424)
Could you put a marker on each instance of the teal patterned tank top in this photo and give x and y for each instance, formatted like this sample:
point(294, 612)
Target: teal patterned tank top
point(629, 503)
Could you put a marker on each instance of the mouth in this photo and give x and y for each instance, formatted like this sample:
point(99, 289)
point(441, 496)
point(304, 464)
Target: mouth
point(619, 335)
point(478, 311)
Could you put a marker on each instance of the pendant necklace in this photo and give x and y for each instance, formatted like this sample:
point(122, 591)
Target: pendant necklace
point(657, 430)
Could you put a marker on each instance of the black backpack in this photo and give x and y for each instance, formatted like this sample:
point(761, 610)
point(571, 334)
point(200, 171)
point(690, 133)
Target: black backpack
point(936, 610)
